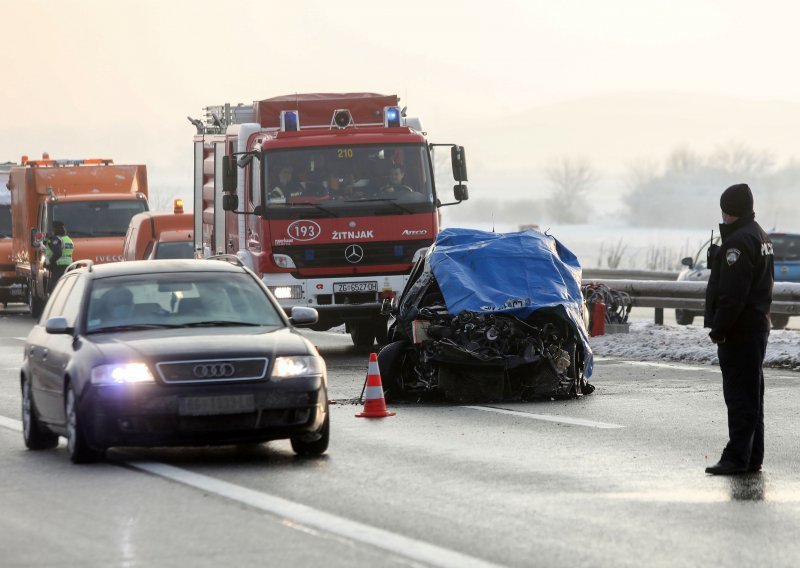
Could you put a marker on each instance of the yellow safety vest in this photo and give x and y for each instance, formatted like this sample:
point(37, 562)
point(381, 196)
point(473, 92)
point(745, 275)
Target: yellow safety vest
point(66, 250)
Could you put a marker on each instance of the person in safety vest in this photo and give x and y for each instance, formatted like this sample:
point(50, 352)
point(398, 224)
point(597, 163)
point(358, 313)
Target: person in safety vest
point(58, 253)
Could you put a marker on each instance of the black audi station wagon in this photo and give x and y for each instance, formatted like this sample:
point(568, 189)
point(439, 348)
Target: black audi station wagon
point(170, 353)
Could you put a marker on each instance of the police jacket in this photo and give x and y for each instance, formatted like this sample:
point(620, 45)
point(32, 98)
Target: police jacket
point(739, 292)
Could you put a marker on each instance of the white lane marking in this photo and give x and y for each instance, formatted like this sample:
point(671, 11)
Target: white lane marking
point(310, 517)
point(681, 367)
point(676, 367)
point(306, 516)
point(547, 417)
point(11, 424)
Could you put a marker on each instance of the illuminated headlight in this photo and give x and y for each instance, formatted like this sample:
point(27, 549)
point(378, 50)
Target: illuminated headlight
point(293, 292)
point(121, 374)
point(297, 366)
point(283, 261)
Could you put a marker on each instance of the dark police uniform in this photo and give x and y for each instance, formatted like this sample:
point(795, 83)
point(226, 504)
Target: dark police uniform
point(738, 300)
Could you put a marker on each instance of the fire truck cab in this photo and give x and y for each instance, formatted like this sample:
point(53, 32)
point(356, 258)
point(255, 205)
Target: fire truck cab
point(330, 198)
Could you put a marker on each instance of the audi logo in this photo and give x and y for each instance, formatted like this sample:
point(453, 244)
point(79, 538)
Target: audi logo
point(354, 254)
point(213, 370)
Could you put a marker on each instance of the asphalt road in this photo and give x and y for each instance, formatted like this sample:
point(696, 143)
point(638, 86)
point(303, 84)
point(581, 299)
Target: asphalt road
point(613, 479)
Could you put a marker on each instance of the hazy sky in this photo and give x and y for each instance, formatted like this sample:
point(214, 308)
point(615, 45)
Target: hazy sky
point(118, 78)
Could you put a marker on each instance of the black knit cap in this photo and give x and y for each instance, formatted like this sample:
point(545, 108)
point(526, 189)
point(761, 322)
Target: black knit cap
point(737, 200)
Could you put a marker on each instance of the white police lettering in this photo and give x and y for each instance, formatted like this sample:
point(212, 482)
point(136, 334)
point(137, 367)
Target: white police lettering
point(412, 232)
point(109, 258)
point(732, 255)
point(766, 249)
point(346, 235)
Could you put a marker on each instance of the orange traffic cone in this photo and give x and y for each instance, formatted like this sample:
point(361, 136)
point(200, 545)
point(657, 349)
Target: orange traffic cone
point(374, 404)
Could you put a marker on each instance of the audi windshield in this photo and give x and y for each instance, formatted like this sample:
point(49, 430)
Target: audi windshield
point(165, 300)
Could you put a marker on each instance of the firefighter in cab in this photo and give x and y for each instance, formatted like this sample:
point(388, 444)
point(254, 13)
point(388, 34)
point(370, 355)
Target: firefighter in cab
point(58, 253)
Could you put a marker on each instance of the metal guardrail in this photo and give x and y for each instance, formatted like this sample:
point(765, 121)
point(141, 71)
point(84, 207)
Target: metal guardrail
point(624, 274)
point(690, 295)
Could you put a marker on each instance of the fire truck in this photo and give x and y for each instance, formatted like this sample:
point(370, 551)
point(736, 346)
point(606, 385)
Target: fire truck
point(329, 198)
point(94, 198)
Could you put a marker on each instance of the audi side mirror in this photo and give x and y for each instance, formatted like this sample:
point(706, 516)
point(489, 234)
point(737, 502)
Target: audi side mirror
point(303, 316)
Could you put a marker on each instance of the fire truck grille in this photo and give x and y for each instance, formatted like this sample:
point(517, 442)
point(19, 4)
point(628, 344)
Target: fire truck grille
point(355, 254)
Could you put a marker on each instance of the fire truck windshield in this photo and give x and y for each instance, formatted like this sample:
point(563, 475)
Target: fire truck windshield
point(96, 218)
point(376, 179)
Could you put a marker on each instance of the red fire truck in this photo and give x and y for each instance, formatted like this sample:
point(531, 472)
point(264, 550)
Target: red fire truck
point(330, 198)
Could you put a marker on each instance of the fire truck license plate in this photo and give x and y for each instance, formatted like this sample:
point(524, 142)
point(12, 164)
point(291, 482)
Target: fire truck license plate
point(339, 287)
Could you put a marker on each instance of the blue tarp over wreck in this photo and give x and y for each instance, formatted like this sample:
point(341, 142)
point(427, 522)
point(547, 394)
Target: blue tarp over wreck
point(513, 274)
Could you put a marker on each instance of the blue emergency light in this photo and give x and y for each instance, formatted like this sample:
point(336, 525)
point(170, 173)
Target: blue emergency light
point(391, 117)
point(290, 120)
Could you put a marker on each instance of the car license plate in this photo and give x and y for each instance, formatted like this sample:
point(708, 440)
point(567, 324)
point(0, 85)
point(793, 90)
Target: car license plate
point(370, 286)
point(209, 405)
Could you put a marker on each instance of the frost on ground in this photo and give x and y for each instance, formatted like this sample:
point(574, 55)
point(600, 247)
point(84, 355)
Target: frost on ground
point(649, 342)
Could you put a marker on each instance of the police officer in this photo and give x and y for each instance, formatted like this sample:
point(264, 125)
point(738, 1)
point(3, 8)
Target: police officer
point(738, 300)
point(58, 253)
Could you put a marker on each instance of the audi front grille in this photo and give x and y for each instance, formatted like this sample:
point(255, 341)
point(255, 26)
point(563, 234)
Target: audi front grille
point(213, 370)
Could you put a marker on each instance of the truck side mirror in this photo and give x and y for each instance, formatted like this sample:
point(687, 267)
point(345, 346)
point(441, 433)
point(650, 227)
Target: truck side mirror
point(459, 162)
point(228, 175)
point(230, 202)
point(461, 192)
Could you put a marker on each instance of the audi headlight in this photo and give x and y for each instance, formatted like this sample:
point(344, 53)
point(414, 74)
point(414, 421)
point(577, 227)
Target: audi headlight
point(297, 366)
point(121, 374)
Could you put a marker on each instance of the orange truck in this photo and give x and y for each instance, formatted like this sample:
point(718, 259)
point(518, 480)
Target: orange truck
point(12, 287)
point(95, 199)
point(160, 234)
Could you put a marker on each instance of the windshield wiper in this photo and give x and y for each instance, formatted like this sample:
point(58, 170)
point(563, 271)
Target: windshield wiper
point(220, 323)
point(382, 200)
point(317, 206)
point(134, 326)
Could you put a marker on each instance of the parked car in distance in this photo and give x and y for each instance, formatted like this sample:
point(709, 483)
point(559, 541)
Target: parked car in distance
point(170, 353)
point(786, 250)
point(696, 269)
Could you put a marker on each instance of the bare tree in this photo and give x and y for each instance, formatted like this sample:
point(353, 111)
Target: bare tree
point(161, 199)
point(741, 160)
point(683, 160)
point(570, 180)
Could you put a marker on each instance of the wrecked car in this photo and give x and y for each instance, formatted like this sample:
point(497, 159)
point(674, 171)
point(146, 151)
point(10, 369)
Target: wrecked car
point(488, 317)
